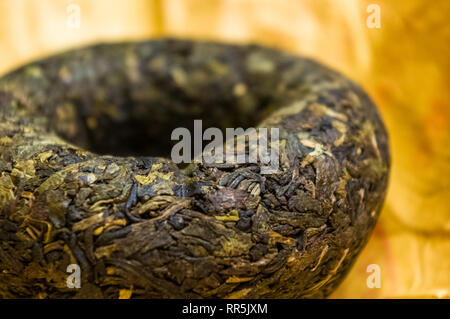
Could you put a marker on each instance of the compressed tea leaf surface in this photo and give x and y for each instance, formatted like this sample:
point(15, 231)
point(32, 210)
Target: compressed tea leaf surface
point(86, 179)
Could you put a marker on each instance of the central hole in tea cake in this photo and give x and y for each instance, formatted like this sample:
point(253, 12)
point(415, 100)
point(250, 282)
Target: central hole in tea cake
point(124, 126)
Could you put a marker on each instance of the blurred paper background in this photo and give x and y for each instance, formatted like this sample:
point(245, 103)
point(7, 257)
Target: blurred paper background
point(404, 65)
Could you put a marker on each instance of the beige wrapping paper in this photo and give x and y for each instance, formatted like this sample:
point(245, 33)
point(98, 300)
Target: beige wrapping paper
point(403, 65)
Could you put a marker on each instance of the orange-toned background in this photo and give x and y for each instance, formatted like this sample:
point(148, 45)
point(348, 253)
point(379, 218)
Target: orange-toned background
point(404, 66)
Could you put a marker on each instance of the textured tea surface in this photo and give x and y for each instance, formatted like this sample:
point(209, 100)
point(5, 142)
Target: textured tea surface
point(142, 225)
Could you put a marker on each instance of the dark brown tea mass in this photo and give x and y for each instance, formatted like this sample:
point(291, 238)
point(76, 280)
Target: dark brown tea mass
point(86, 177)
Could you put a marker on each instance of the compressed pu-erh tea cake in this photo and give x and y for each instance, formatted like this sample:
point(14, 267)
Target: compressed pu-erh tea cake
point(86, 175)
